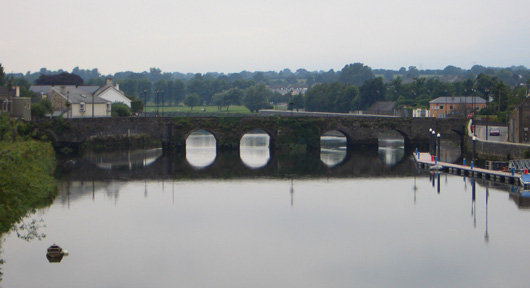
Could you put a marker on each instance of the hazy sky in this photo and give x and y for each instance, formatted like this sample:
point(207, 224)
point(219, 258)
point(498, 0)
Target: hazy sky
point(230, 36)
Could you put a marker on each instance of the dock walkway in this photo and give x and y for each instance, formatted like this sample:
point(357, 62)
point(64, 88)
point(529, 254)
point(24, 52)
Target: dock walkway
point(424, 161)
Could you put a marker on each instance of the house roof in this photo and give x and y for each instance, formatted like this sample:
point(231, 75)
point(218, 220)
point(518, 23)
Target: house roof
point(382, 106)
point(458, 100)
point(108, 85)
point(88, 89)
point(75, 95)
point(45, 89)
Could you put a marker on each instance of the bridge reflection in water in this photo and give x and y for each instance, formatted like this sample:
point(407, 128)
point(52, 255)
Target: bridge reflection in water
point(254, 149)
point(254, 159)
point(201, 149)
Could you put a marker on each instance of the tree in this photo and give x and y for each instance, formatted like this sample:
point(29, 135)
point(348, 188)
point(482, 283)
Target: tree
point(395, 89)
point(452, 70)
point(500, 96)
point(178, 91)
point(355, 74)
point(232, 96)
point(200, 86)
point(412, 73)
point(484, 85)
point(372, 90)
point(120, 110)
point(2, 76)
point(64, 78)
point(41, 108)
point(256, 97)
point(331, 97)
point(192, 100)
point(298, 100)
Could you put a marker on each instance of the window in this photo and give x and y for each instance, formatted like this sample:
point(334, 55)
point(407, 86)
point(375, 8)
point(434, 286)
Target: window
point(108, 106)
point(450, 107)
point(82, 107)
point(441, 107)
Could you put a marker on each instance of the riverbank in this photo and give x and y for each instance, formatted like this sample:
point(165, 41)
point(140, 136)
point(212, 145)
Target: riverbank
point(26, 180)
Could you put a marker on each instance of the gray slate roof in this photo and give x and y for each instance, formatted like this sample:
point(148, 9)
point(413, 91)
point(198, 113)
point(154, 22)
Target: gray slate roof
point(45, 89)
point(76, 95)
point(458, 100)
point(382, 106)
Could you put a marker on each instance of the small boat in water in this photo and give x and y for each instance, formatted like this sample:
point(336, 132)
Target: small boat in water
point(55, 253)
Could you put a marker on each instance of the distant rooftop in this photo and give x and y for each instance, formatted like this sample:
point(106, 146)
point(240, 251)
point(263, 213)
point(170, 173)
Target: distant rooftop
point(458, 100)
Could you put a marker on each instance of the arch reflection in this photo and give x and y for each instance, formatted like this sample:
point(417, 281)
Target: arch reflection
point(333, 148)
point(391, 148)
point(128, 159)
point(254, 149)
point(201, 149)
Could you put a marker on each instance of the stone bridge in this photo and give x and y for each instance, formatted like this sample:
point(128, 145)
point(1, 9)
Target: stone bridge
point(285, 132)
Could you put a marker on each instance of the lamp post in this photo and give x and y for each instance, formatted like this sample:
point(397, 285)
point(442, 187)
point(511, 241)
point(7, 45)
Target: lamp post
point(145, 103)
point(433, 135)
point(430, 141)
point(438, 153)
point(486, 91)
point(156, 103)
point(473, 112)
point(474, 149)
point(162, 103)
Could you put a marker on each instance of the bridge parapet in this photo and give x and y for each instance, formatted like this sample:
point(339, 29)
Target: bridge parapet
point(285, 132)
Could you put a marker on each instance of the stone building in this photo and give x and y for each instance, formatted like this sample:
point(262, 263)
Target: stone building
point(520, 123)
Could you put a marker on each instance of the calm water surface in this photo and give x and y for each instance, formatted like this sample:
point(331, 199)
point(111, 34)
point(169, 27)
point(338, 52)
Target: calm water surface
point(160, 221)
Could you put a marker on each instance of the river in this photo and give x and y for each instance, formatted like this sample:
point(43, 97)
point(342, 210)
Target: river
point(265, 219)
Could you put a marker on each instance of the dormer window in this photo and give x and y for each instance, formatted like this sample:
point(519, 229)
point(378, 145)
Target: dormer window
point(82, 107)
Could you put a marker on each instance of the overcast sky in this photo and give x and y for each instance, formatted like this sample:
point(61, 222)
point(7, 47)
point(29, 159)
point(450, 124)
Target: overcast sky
point(230, 36)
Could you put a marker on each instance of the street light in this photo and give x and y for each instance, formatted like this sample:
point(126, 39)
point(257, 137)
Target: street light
point(474, 149)
point(156, 103)
point(430, 141)
point(438, 154)
point(473, 112)
point(433, 135)
point(145, 103)
point(162, 103)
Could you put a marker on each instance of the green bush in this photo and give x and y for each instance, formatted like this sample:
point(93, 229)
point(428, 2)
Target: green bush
point(26, 179)
point(120, 110)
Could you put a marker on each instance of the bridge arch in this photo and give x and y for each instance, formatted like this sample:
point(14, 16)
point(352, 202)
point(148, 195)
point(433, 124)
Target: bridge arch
point(189, 133)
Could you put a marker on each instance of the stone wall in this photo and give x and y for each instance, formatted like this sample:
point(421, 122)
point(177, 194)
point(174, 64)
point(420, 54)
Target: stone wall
point(491, 150)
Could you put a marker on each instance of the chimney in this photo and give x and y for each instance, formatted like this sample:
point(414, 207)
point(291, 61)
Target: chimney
point(17, 91)
point(108, 81)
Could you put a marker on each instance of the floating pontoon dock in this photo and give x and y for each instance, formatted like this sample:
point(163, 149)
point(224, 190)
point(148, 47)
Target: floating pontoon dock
point(424, 161)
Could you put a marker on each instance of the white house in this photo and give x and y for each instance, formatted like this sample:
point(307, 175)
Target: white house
point(72, 102)
point(82, 101)
point(112, 93)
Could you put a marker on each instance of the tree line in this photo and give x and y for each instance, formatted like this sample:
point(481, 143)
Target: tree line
point(354, 87)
